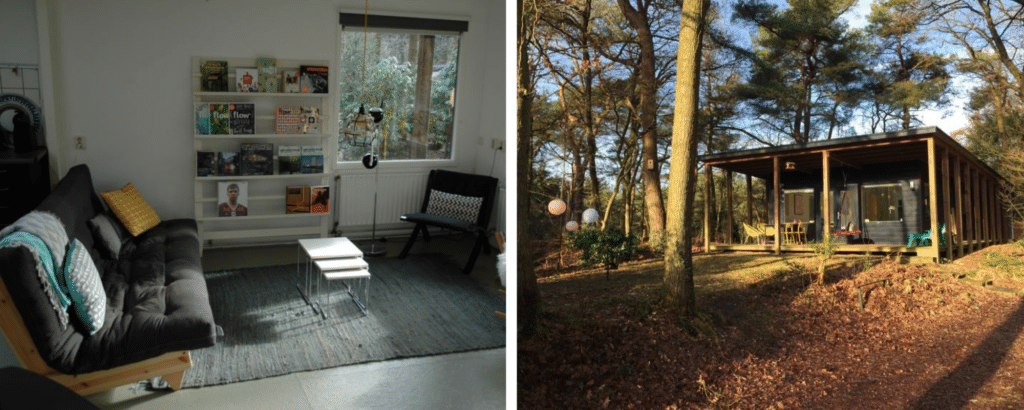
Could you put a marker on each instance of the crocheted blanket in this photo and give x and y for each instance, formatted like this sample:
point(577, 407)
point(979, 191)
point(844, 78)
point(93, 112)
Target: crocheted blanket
point(45, 237)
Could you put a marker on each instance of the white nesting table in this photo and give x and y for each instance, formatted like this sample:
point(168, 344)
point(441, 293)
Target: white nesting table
point(346, 270)
point(328, 249)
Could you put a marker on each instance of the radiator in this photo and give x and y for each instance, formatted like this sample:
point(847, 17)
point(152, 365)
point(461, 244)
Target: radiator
point(397, 194)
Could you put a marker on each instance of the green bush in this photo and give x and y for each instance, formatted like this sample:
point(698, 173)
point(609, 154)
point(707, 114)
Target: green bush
point(609, 247)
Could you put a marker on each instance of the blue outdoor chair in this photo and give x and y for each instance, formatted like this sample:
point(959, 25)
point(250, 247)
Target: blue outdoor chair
point(925, 238)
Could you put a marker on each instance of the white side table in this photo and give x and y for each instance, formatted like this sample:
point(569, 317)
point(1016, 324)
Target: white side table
point(321, 249)
point(346, 270)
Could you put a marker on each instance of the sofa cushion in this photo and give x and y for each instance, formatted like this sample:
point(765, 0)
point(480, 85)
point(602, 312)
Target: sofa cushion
point(88, 300)
point(74, 202)
point(106, 235)
point(131, 209)
point(465, 208)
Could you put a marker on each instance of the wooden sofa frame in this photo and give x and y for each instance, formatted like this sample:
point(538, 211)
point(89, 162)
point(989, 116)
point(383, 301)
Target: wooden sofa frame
point(171, 366)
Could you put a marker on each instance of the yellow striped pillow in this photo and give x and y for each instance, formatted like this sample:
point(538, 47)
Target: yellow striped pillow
point(133, 210)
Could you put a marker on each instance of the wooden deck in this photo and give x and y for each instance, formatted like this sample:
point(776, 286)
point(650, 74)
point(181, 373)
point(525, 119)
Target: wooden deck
point(885, 248)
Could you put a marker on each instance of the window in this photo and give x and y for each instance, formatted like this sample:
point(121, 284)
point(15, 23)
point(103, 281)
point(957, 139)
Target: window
point(798, 205)
point(411, 67)
point(882, 202)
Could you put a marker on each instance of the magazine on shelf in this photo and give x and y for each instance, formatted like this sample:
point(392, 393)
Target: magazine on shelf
point(206, 163)
point(227, 163)
point(312, 159)
point(289, 159)
point(214, 76)
point(202, 118)
point(296, 199)
point(286, 121)
point(219, 121)
point(257, 158)
point(242, 118)
point(233, 198)
point(319, 199)
point(267, 70)
point(246, 80)
point(290, 80)
point(309, 119)
point(314, 79)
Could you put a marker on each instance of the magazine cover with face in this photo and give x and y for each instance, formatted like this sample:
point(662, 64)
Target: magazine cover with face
point(232, 198)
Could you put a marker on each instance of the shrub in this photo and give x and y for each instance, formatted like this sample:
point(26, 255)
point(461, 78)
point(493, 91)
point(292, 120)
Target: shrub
point(609, 247)
point(824, 250)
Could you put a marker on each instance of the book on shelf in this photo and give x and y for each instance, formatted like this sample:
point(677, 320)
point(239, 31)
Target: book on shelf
point(202, 118)
point(227, 163)
point(312, 159)
point(246, 80)
point(242, 118)
point(289, 159)
point(267, 69)
point(233, 198)
point(219, 119)
point(214, 76)
point(314, 79)
point(287, 120)
point(290, 80)
point(206, 163)
point(257, 158)
point(319, 199)
point(309, 119)
point(296, 199)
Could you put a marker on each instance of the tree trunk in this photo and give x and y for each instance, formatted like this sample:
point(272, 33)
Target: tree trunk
point(677, 281)
point(528, 300)
point(647, 88)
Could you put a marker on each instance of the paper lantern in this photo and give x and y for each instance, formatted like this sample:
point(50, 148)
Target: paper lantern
point(572, 226)
point(590, 216)
point(556, 207)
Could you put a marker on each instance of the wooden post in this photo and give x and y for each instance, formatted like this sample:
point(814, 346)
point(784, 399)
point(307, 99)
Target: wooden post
point(776, 173)
point(826, 197)
point(933, 198)
point(750, 200)
point(707, 208)
point(959, 217)
point(728, 203)
point(946, 216)
point(992, 211)
point(975, 211)
point(983, 189)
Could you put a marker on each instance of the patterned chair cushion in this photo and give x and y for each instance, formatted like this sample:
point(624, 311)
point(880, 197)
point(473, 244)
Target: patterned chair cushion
point(463, 208)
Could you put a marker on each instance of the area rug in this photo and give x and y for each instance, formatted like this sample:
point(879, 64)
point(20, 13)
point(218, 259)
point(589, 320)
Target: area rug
point(418, 306)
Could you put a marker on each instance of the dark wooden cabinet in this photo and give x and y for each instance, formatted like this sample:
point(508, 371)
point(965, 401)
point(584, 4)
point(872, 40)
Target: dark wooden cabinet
point(24, 182)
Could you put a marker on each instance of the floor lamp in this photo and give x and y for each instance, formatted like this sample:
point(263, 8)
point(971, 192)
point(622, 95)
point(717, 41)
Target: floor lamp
point(370, 161)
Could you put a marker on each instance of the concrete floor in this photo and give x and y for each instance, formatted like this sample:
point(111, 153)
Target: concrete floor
point(470, 380)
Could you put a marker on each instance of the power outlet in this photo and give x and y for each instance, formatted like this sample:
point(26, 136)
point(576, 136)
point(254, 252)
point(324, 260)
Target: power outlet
point(79, 142)
point(498, 143)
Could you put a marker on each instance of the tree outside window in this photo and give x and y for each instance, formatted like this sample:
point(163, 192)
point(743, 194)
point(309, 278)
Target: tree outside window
point(413, 76)
point(882, 202)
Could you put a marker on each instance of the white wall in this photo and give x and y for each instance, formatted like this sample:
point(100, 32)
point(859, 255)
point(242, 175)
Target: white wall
point(123, 70)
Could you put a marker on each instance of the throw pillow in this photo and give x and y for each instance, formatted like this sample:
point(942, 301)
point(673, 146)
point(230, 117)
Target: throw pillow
point(463, 208)
point(131, 209)
point(88, 300)
point(105, 233)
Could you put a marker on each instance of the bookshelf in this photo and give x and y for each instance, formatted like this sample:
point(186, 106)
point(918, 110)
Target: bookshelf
point(265, 194)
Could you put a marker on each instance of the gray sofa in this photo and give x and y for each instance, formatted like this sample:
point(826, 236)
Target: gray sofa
point(157, 300)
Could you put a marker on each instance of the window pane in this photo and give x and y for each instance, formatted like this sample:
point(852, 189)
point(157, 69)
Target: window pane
point(882, 202)
point(412, 77)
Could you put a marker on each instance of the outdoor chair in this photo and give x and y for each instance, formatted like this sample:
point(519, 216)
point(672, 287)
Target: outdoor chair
point(925, 238)
point(455, 201)
point(753, 233)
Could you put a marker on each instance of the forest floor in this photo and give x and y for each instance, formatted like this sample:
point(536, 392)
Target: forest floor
point(767, 337)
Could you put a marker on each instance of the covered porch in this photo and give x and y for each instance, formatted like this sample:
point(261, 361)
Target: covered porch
point(873, 193)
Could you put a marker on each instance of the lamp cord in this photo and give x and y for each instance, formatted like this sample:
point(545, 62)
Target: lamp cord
point(366, 24)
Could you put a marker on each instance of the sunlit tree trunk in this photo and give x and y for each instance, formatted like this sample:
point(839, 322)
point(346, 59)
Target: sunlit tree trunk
point(677, 281)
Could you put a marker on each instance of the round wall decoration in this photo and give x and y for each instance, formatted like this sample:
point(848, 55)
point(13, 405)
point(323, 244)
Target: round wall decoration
point(31, 118)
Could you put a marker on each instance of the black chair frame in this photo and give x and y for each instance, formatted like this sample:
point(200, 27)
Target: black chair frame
point(457, 183)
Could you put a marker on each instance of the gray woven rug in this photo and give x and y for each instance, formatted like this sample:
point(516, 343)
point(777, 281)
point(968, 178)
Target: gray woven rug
point(419, 306)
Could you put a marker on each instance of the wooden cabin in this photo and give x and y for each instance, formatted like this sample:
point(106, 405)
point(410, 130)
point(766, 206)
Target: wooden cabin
point(882, 189)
